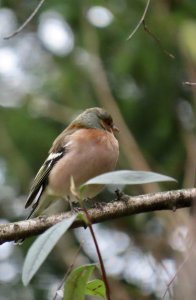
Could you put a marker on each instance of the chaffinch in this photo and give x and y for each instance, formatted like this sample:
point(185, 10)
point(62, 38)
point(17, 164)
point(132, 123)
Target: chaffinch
point(85, 149)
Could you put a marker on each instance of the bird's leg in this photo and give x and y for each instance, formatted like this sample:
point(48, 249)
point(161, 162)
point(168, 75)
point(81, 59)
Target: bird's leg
point(119, 194)
point(74, 206)
point(69, 202)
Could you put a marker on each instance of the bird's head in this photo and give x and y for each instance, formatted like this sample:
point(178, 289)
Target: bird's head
point(95, 118)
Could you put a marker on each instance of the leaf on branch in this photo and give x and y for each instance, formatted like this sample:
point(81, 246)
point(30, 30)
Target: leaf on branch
point(96, 287)
point(41, 248)
point(76, 283)
point(126, 177)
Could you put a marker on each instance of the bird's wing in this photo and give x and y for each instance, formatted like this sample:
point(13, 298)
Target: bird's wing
point(59, 148)
point(41, 180)
point(57, 151)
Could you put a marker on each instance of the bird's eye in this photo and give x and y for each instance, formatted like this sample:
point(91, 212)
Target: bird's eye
point(106, 121)
point(109, 121)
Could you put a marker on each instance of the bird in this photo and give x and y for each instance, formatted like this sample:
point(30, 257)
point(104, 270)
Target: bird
point(86, 148)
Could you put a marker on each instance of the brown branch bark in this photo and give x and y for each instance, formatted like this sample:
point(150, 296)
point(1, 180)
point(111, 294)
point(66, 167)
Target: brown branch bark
point(125, 206)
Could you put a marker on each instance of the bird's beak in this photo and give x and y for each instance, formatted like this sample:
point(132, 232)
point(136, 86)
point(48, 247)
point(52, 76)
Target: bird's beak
point(114, 128)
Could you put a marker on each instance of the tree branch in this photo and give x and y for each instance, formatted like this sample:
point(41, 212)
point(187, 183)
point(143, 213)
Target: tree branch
point(125, 206)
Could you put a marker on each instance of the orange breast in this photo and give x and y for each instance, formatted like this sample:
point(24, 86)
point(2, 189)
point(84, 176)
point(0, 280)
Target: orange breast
point(91, 153)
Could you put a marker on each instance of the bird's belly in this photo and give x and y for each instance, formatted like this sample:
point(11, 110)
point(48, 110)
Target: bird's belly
point(83, 164)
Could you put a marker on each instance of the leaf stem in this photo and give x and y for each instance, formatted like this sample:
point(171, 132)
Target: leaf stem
point(104, 276)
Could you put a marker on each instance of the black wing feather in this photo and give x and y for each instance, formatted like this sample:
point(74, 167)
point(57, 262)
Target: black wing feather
point(41, 181)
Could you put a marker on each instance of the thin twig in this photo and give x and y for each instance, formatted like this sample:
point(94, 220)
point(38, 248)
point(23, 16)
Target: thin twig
point(26, 22)
point(177, 273)
point(189, 83)
point(157, 40)
point(68, 270)
point(140, 21)
point(166, 283)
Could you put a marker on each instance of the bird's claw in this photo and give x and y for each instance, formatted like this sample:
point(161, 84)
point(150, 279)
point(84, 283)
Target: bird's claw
point(119, 194)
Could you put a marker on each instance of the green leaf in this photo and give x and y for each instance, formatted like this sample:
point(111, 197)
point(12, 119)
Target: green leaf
point(96, 287)
point(75, 285)
point(83, 218)
point(42, 246)
point(126, 177)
